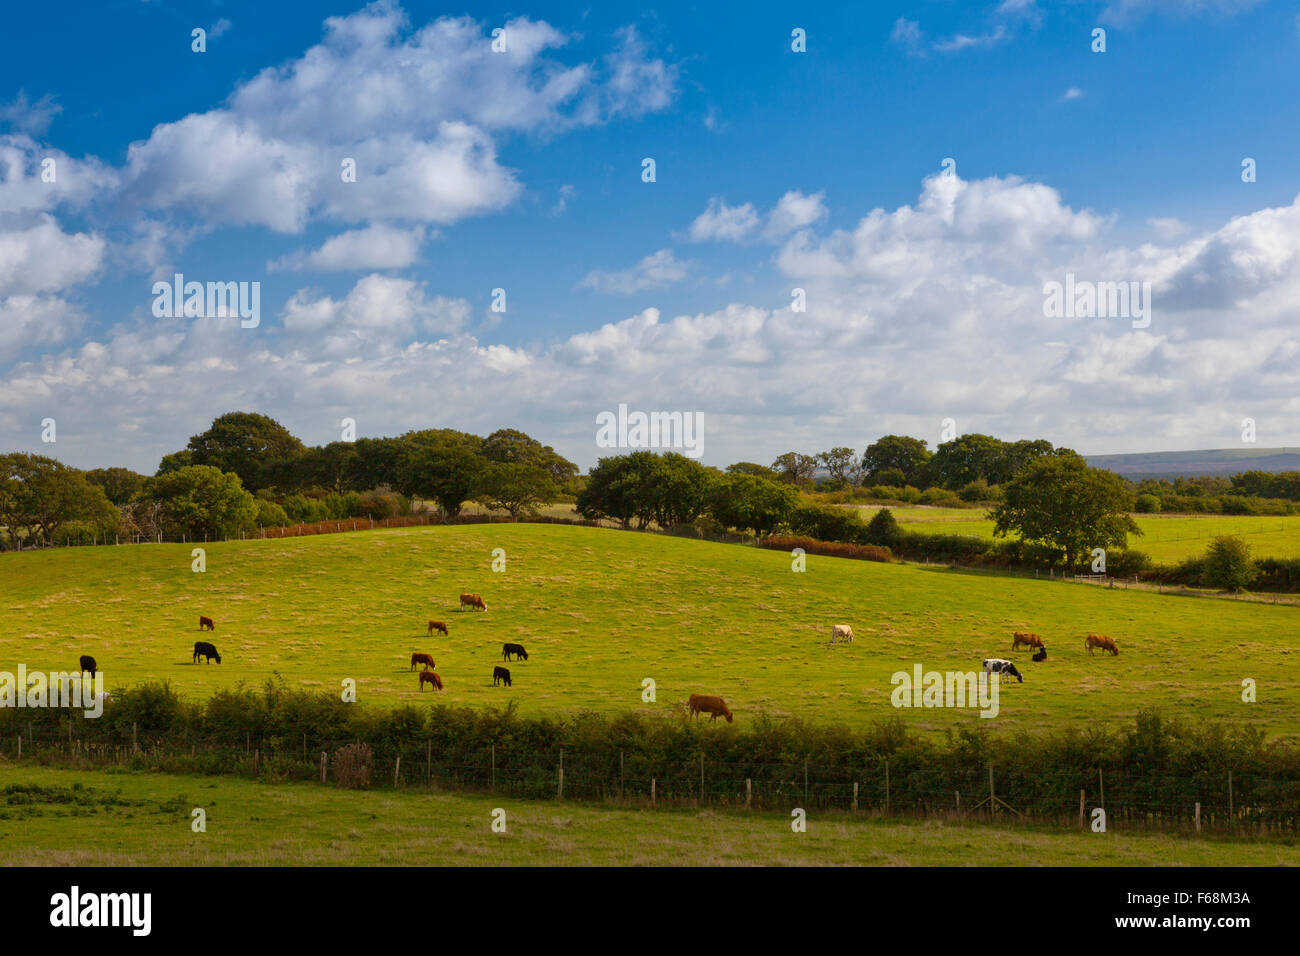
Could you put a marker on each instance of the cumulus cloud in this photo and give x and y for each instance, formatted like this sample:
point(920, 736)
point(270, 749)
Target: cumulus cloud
point(375, 247)
point(41, 257)
point(720, 222)
point(657, 269)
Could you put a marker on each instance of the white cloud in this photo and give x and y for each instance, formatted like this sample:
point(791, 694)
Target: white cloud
point(720, 222)
point(375, 247)
point(657, 269)
point(41, 257)
point(1073, 93)
point(379, 313)
point(28, 116)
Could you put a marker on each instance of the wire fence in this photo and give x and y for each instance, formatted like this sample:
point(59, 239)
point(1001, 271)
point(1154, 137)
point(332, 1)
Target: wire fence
point(1227, 803)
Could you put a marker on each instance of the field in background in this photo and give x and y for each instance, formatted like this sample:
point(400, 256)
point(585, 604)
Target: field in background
point(1166, 538)
point(600, 610)
point(94, 818)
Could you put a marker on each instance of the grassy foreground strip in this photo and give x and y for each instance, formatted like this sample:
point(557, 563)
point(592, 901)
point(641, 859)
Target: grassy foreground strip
point(94, 818)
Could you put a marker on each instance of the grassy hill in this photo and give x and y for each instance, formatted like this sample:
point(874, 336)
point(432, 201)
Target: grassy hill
point(600, 610)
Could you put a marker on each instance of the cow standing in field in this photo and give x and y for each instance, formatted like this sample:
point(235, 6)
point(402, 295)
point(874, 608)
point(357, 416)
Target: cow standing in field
point(437, 626)
point(472, 600)
point(1100, 640)
point(88, 664)
point(715, 707)
point(841, 631)
point(205, 624)
point(500, 675)
point(430, 677)
point(425, 659)
point(206, 650)
point(1028, 640)
point(1000, 665)
point(516, 649)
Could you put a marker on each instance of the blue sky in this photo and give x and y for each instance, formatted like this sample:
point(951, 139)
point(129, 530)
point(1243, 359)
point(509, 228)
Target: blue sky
point(523, 172)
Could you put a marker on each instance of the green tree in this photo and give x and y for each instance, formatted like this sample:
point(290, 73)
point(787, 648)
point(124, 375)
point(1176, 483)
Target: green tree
point(244, 443)
point(794, 468)
point(449, 473)
point(120, 484)
point(839, 462)
point(750, 503)
point(1228, 564)
point(512, 445)
point(752, 468)
point(1061, 503)
point(515, 486)
point(612, 491)
point(39, 495)
point(900, 452)
point(203, 500)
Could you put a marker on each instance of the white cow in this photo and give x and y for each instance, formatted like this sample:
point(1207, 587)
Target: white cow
point(1000, 665)
point(841, 630)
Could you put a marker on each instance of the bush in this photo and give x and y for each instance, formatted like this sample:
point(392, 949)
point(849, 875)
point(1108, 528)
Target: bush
point(883, 530)
point(826, 524)
point(940, 497)
point(1147, 504)
point(1228, 564)
point(834, 549)
point(270, 515)
point(354, 766)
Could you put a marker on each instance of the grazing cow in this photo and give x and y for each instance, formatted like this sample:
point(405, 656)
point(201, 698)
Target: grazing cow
point(206, 650)
point(1029, 640)
point(88, 664)
point(500, 674)
point(437, 626)
point(715, 707)
point(1100, 640)
point(430, 677)
point(472, 600)
point(841, 631)
point(425, 659)
point(205, 624)
point(1040, 654)
point(1000, 665)
point(515, 649)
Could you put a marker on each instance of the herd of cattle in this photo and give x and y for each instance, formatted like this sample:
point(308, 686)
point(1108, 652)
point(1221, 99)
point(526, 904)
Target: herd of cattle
point(698, 704)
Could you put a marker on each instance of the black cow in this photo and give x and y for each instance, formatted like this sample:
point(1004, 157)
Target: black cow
point(1041, 655)
point(500, 674)
point(88, 664)
point(204, 649)
point(516, 649)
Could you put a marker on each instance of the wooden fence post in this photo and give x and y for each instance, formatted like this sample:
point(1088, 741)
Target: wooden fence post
point(652, 791)
point(397, 769)
point(855, 796)
point(20, 746)
point(749, 793)
point(322, 766)
point(1197, 816)
point(1081, 813)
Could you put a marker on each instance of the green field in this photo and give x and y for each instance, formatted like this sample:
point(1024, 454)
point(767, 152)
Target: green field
point(1166, 538)
point(97, 818)
point(600, 610)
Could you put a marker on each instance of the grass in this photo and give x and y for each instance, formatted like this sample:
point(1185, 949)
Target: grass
point(1166, 538)
point(98, 818)
point(600, 610)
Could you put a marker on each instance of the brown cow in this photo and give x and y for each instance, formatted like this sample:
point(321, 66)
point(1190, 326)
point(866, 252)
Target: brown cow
point(1029, 640)
point(430, 677)
point(472, 600)
point(1100, 640)
point(437, 626)
point(425, 659)
point(715, 707)
point(205, 624)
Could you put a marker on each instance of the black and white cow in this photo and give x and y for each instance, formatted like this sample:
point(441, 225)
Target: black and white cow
point(1000, 665)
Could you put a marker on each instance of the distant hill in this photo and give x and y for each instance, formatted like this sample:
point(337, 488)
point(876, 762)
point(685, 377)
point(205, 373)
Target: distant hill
point(1183, 464)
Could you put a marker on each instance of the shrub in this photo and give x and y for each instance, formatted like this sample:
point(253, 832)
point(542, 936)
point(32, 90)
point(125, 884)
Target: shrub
point(826, 524)
point(1148, 504)
point(354, 766)
point(940, 497)
point(883, 530)
point(835, 549)
point(1228, 564)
